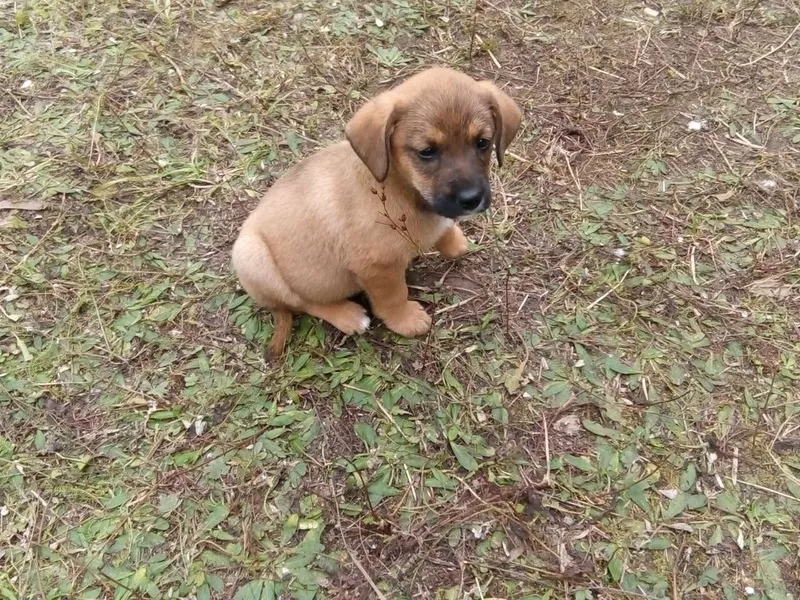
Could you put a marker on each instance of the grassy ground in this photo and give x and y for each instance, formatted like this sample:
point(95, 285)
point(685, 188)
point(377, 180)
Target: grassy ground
point(607, 406)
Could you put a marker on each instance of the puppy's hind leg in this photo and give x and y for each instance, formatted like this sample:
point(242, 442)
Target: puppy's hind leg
point(262, 280)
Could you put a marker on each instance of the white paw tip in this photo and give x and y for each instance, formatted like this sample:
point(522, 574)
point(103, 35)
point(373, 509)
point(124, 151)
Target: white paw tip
point(364, 323)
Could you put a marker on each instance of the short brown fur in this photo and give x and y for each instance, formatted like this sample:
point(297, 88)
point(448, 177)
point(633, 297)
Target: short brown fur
point(352, 216)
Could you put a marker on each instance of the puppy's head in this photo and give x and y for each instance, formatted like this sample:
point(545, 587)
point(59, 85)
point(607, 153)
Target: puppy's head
point(436, 132)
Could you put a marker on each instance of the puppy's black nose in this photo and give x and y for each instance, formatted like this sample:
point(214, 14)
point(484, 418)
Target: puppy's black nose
point(469, 198)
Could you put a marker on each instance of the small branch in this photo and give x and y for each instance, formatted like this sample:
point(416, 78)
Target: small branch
point(401, 227)
point(609, 292)
point(746, 19)
point(774, 50)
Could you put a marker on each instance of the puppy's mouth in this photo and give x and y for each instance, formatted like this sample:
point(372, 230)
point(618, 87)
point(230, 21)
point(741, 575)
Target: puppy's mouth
point(463, 202)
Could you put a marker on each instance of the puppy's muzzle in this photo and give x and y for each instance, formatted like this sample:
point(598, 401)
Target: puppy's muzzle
point(465, 199)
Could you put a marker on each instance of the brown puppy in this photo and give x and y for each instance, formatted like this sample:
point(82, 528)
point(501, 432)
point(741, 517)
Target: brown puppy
point(352, 216)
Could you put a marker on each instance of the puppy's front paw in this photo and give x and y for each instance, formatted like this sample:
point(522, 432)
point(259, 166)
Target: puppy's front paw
point(453, 243)
point(350, 318)
point(410, 321)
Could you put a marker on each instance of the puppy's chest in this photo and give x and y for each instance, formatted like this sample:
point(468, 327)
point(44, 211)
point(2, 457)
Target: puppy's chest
point(440, 228)
point(429, 230)
point(415, 233)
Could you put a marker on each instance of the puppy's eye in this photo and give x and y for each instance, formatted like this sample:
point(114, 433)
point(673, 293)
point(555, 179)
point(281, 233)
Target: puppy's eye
point(483, 144)
point(427, 153)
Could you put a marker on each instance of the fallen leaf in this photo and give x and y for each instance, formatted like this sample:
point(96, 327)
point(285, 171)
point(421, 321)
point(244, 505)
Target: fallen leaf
point(23, 348)
point(770, 287)
point(514, 379)
point(11, 295)
point(598, 429)
point(724, 195)
point(613, 363)
point(465, 459)
point(27, 205)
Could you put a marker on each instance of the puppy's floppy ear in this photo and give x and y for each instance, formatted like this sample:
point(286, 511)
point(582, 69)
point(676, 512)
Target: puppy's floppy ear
point(507, 118)
point(370, 133)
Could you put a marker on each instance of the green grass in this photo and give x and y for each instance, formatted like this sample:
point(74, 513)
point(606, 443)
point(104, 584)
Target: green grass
point(607, 405)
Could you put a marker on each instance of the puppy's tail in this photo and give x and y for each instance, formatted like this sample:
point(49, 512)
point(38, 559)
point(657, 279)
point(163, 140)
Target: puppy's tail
point(282, 329)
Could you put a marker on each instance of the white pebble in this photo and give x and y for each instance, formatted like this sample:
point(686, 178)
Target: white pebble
point(696, 125)
point(768, 184)
point(478, 532)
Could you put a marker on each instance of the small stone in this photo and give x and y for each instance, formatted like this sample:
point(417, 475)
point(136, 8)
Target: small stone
point(768, 185)
point(696, 125)
point(478, 532)
point(568, 425)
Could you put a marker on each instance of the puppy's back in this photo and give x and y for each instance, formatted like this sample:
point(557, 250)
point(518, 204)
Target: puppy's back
point(305, 220)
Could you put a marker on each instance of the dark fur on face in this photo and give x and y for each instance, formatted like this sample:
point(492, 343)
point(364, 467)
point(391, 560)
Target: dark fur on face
point(443, 145)
point(436, 131)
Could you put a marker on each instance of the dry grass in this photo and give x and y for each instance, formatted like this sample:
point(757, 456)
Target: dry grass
point(606, 407)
